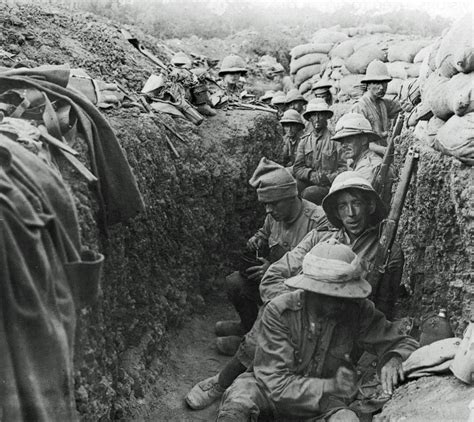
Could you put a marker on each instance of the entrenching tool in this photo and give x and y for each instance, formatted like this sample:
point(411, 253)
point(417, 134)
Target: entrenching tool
point(149, 55)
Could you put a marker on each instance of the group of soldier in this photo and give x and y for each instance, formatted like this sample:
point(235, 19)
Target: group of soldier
point(306, 311)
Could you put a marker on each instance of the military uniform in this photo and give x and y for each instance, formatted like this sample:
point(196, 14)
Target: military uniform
point(378, 113)
point(293, 358)
point(290, 146)
point(280, 237)
point(318, 161)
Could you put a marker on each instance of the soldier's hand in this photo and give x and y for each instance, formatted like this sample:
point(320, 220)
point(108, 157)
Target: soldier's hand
point(255, 243)
point(391, 374)
point(256, 273)
point(314, 177)
point(344, 384)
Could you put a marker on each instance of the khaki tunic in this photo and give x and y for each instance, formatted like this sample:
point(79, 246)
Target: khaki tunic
point(318, 154)
point(290, 146)
point(377, 112)
point(282, 236)
point(293, 356)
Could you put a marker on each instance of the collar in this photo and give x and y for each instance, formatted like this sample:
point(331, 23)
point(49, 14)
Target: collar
point(360, 158)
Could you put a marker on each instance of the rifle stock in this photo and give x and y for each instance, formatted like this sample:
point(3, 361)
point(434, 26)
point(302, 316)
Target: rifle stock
point(390, 225)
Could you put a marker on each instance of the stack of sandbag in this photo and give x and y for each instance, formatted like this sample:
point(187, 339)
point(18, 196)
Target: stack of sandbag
point(308, 60)
point(447, 89)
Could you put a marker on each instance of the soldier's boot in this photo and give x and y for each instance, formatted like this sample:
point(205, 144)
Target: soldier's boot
point(228, 345)
point(204, 393)
point(229, 328)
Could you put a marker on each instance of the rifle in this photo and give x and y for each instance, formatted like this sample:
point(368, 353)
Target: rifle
point(245, 106)
point(380, 179)
point(390, 224)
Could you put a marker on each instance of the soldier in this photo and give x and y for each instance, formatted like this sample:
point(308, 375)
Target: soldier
point(279, 102)
point(295, 101)
point(355, 134)
point(267, 97)
point(232, 69)
point(293, 127)
point(282, 82)
point(322, 89)
point(181, 61)
point(374, 107)
point(318, 160)
point(301, 368)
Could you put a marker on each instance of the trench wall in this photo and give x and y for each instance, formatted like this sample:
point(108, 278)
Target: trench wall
point(159, 267)
point(436, 231)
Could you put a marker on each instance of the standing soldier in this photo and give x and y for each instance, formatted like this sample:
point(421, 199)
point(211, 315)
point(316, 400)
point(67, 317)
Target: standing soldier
point(322, 89)
point(232, 69)
point(293, 126)
point(295, 101)
point(318, 160)
point(374, 107)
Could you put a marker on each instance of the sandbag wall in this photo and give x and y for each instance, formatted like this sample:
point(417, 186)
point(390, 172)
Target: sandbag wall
point(341, 56)
point(447, 91)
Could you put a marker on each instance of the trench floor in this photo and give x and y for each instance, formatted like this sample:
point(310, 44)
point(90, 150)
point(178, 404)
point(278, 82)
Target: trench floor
point(193, 357)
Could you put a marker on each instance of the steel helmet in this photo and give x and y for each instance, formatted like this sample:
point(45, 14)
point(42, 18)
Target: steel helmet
point(353, 124)
point(232, 64)
point(292, 116)
point(376, 72)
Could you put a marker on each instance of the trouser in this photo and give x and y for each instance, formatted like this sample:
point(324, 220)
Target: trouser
point(245, 401)
point(245, 297)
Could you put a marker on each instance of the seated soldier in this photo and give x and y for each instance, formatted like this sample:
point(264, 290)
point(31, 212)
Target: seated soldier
point(288, 220)
point(318, 160)
point(355, 134)
point(279, 103)
point(293, 127)
point(295, 101)
point(356, 210)
point(302, 368)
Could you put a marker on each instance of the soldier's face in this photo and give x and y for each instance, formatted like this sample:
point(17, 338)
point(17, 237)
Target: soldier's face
point(318, 120)
point(354, 211)
point(291, 129)
point(378, 89)
point(232, 78)
point(280, 210)
point(354, 146)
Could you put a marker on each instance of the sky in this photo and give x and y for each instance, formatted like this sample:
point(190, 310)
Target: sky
point(451, 9)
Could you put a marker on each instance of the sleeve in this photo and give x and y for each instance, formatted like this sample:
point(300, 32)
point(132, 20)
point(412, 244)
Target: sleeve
point(388, 290)
point(275, 368)
point(341, 164)
point(264, 231)
point(300, 171)
point(381, 337)
point(368, 172)
point(272, 284)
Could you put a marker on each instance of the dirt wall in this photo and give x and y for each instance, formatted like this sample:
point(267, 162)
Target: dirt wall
point(436, 232)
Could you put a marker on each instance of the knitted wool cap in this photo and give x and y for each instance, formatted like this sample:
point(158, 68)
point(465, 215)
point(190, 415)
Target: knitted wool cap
point(273, 181)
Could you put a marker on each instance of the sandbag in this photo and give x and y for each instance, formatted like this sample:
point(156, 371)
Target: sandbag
point(456, 49)
point(450, 96)
point(456, 138)
point(360, 59)
point(303, 49)
point(420, 56)
point(307, 60)
point(374, 28)
point(328, 36)
point(305, 86)
point(397, 70)
point(347, 83)
point(394, 86)
point(405, 51)
point(306, 73)
point(413, 70)
point(426, 131)
point(343, 50)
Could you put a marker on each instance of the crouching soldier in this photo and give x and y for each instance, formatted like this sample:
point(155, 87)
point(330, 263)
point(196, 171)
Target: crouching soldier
point(301, 365)
point(288, 220)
